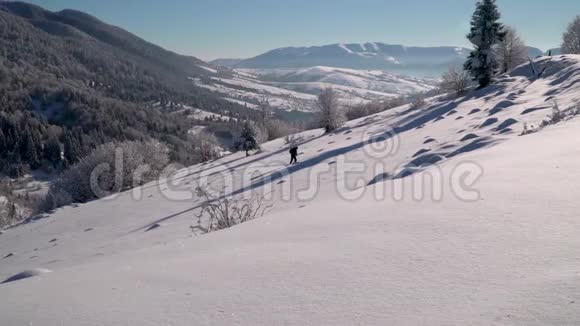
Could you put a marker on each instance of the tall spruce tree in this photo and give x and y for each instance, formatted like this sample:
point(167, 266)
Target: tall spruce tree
point(3, 144)
point(72, 152)
point(486, 31)
point(52, 152)
point(28, 150)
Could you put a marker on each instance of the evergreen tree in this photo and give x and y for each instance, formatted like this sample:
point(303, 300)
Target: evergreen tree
point(3, 145)
point(12, 212)
point(248, 137)
point(28, 150)
point(52, 152)
point(486, 32)
point(71, 148)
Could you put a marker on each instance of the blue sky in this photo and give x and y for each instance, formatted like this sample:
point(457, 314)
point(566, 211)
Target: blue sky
point(212, 29)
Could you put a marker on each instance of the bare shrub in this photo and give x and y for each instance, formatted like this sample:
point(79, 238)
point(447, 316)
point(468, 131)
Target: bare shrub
point(110, 168)
point(265, 111)
point(374, 107)
point(278, 129)
point(220, 212)
point(511, 51)
point(456, 81)
point(16, 204)
point(556, 116)
point(205, 147)
point(290, 139)
point(10, 212)
point(417, 100)
point(330, 117)
point(571, 38)
point(528, 129)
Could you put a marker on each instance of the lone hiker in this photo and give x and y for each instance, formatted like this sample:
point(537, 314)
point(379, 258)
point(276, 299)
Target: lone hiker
point(293, 155)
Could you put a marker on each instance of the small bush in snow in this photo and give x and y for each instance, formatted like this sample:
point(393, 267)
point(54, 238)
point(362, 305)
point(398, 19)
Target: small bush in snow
point(278, 129)
point(455, 81)
point(528, 129)
point(290, 139)
point(219, 212)
point(205, 146)
point(417, 101)
point(110, 168)
point(16, 203)
point(330, 117)
point(557, 114)
point(366, 109)
point(10, 212)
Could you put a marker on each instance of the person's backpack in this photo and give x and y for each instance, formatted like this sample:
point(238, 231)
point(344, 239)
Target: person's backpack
point(293, 150)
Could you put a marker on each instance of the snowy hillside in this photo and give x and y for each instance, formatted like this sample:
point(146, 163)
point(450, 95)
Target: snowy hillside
point(296, 89)
point(364, 84)
point(442, 215)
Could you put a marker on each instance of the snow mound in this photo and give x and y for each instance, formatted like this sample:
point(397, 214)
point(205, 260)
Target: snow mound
point(26, 274)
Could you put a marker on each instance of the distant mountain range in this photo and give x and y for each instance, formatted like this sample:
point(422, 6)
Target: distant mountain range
point(412, 61)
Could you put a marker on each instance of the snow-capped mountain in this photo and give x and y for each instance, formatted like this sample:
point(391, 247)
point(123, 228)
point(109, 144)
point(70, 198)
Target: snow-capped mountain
point(400, 59)
point(462, 212)
point(416, 61)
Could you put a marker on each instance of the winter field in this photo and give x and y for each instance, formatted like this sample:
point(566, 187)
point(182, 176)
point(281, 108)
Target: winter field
point(297, 89)
point(439, 215)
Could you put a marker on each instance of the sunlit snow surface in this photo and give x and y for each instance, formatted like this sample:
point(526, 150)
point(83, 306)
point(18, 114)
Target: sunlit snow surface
point(502, 249)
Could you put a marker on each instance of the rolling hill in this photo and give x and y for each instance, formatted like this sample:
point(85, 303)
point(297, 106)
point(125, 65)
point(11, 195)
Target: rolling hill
point(69, 75)
point(445, 214)
point(297, 89)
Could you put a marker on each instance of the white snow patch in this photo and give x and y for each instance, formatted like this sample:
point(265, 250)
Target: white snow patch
point(345, 48)
point(392, 60)
point(209, 69)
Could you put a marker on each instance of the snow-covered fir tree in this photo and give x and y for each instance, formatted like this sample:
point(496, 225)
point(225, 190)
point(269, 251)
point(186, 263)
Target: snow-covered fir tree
point(486, 31)
point(249, 138)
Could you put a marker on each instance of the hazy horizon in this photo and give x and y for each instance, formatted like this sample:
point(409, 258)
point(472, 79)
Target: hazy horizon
point(221, 29)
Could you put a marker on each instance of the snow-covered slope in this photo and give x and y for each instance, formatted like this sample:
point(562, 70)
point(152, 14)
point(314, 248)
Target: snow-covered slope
point(296, 89)
point(488, 235)
point(363, 83)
